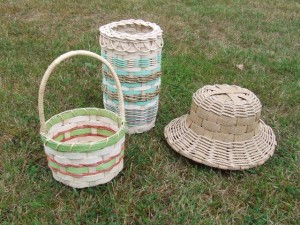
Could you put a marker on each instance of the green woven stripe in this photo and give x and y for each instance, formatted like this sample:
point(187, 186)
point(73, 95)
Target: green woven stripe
point(81, 112)
point(60, 137)
point(80, 131)
point(94, 146)
point(81, 170)
point(80, 147)
point(53, 165)
point(104, 132)
point(77, 171)
point(77, 132)
point(108, 164)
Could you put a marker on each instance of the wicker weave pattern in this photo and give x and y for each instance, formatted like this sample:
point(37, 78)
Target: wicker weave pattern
point(134, 79)
point(134, 48)
point(85, 146)
point(134, 30)
point(227, 100)
point(223, 129)
point(135, 116)
point(223, 155)
point(131, 98)
point(131, 36)
point(142, 62)
point(85, 166)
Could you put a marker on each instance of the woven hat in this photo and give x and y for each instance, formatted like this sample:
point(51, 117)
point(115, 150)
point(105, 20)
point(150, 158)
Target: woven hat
point(223, 129)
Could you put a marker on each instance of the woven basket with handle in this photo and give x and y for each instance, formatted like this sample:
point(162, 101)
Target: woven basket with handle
point(84, 146)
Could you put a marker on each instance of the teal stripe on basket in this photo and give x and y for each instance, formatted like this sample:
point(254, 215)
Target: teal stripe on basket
point(132, 92)
point(139, 73)
point(140, 62)
point(131, 85)
point(141, 103)
point(158, 58)
point(119, 62)
point(103, 55)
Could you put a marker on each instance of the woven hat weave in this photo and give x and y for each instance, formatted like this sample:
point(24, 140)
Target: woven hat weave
point(223, 129)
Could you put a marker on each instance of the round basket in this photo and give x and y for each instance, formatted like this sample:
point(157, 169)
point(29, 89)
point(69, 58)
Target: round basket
point(84, 146)
point(133, 47)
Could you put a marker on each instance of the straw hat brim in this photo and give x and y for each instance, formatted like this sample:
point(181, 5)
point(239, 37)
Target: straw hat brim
point(224, 155)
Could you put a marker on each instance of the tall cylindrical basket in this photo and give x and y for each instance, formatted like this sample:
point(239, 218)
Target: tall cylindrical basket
point(84, 146)
point(134, 48)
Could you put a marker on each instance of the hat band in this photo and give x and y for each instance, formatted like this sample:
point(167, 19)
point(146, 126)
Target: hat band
point(231, 133)
point(220, 127)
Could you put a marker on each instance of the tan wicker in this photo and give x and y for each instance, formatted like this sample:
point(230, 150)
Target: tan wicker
point(133, 47)
point(223, 129)
point(85, 146)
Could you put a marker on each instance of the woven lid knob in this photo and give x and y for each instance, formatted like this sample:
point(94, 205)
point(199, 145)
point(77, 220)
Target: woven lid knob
point(225, 112)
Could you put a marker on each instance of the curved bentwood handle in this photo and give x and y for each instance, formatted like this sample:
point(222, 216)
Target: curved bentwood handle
point(59, 60)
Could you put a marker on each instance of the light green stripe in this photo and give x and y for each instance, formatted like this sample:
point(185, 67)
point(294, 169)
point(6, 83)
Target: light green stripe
point(106, 165)
point(110, 163)
point(81, 170)
point(80, 131)
point(78, 170)
point(104, 132)
point(80, 147)
point(60, 137)
point(53, 165)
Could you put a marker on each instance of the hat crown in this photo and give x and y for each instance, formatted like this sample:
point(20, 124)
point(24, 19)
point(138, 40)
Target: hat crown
point(225, 112)
point(227, 100)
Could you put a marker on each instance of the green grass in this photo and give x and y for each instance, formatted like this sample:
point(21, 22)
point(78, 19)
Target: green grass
point(204, 41)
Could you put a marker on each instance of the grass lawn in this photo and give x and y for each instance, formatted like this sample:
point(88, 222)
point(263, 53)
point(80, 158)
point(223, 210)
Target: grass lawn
point(204, 41)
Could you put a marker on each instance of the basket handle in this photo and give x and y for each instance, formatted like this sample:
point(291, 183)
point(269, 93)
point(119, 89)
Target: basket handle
point(59, 60)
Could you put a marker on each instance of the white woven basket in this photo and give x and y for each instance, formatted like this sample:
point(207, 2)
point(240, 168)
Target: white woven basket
point(133, 47)
point(85, 146)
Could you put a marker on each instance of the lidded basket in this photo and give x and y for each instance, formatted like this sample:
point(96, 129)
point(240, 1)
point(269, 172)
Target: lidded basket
point(134, 48)
point(223, 129)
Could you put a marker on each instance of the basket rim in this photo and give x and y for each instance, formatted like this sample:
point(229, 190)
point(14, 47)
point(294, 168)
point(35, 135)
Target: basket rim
point(109, 32)
point(83, 147)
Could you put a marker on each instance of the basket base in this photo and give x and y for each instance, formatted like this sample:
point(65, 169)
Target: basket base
point(88, 181)
point(140, 129)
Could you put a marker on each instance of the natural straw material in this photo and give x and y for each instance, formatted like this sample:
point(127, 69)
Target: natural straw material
point(131, 98)
point(223, 129)
point(133, 47)
point(85, 146)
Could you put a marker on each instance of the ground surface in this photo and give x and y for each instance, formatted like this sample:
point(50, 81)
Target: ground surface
point(204, 41)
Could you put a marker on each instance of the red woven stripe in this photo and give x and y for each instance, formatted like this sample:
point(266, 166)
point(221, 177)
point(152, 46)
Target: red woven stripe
point(85, 165)
point(86, 174)
point(82, 127)
point(83, 135)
